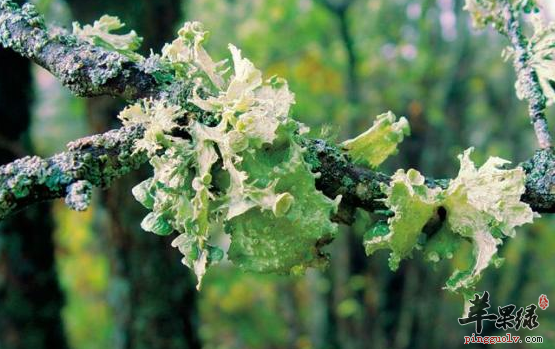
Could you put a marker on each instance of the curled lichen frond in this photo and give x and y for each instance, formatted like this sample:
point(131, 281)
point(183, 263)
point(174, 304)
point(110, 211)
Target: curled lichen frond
point(414, 205)
point(159, 119)
point(482, 205)
point(244, 171)
point(188, 55)
point(379, 142)
point(100, 34)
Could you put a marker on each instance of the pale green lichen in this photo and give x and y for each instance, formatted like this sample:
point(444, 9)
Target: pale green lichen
point(246, 170)
point(99, 34)
point(379, 142)
point(541, 58)
point(88, 70)
point(414, 204)
point(482, 205)
point(79, 195)
point(189, 57)
point(486, 12)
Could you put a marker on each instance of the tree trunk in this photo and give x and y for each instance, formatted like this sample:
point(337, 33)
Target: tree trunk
point(30, 296)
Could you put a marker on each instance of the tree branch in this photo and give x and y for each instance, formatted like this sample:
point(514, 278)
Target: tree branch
point(98, 160)
point(527, 77)
point(85, 69)
point(361, 187)
point(90, 161)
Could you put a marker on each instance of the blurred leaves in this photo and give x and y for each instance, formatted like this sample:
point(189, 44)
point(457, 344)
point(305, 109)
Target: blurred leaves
point(84, 275)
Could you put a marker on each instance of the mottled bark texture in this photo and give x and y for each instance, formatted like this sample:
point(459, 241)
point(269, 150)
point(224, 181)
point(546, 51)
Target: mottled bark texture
point(359, 186)
point(85, 69)
point(527, 78)
point(30, 297)
point(91, 161)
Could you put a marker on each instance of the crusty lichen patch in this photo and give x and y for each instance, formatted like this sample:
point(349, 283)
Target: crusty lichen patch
point(87, 70)
point(540, 180)
point(91, 161)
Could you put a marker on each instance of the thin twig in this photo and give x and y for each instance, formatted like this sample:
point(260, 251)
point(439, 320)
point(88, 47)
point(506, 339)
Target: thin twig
point(527, 76)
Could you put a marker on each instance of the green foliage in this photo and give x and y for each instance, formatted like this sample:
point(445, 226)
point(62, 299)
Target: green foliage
point(247, 172)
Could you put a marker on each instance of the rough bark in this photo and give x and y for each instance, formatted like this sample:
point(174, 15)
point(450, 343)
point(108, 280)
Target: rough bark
point(91, 161)
point(85, 69)
point(527, 77)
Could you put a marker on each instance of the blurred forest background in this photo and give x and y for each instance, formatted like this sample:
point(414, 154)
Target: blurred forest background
point(95, 280)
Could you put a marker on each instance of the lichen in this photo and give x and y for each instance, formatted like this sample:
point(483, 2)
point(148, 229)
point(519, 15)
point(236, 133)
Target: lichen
point(67, 174)
point(240, 166)
point(86, 69)
point(379, 142)
point(540, 180)
point(482, 205)
point(79, 195)
point(99, 34)
point(12, 18)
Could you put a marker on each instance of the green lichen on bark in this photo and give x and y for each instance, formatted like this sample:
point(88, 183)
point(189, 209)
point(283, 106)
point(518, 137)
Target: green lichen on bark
point(540, 180)
point(481, 205)
point(87, 70)
point(225, 152)
point(240, 166)
point(96, 161)
point(379, 142)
